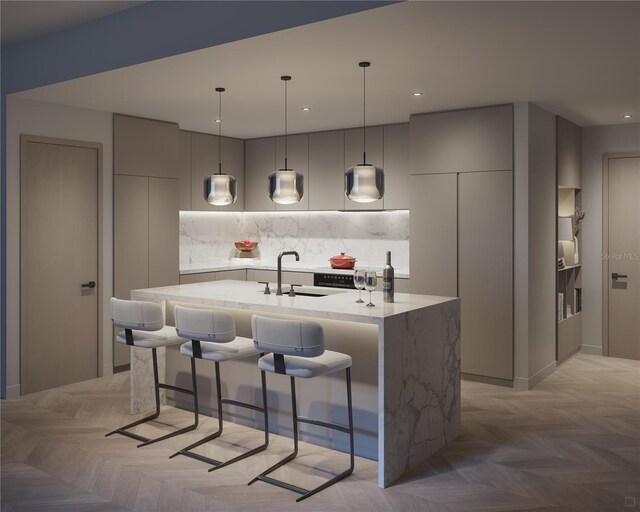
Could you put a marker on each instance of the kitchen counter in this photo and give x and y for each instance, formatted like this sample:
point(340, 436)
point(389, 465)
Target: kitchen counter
point(406, 367)
point(288, 266)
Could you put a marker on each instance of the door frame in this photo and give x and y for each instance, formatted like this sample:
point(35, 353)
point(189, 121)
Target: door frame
point(605, 243)
point(24, 140)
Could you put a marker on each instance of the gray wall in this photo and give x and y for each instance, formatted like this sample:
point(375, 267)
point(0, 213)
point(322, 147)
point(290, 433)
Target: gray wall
point(597, 141)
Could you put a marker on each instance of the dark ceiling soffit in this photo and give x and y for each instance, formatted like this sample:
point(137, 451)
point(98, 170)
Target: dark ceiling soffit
point(156, 30)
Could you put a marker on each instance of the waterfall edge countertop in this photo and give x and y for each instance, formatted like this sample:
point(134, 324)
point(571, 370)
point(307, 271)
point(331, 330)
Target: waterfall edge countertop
point(414, 393)
point(336, 304)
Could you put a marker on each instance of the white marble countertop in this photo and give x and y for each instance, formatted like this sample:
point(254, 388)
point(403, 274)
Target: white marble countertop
point(290, 266)
point(338, 304)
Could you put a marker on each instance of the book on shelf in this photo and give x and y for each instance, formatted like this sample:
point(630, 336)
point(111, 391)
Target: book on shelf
point(577, 300)
point(560, 306)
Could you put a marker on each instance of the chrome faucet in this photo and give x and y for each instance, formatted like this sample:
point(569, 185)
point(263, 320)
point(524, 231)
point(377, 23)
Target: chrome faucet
point(285, 253)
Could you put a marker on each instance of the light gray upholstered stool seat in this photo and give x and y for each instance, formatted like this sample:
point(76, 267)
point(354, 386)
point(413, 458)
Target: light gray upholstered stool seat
point(143, 324)
point(212, 336)
point(297, 350)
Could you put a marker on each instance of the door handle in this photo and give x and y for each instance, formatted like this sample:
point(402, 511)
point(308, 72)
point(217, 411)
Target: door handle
point(90, 284)
point(615, 276)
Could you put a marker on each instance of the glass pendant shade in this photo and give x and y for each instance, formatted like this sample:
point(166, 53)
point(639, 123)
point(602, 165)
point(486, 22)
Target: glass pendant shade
point(220, 189)
point(286, 186)
point(364, 183)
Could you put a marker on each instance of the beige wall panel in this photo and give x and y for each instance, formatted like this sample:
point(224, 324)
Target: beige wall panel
point(433, 234)
point(486, 273)
point(326, 171)
point(353, 140)
point(185, 171)
point(396, 167)
point(144, 147)
point(479, 139)
point(260, 161)
point(204, 161)
point(298, 159)
point(130, 243)
point(164, 247)
point(59, 252)
point(569, 153)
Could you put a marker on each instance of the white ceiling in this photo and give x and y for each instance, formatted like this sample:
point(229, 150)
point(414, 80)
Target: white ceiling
point(25, 19)
point(577, 59)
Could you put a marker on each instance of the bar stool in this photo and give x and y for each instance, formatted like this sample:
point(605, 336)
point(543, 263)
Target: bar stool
point(297, 350)
point(143, 324)
point(213, 338)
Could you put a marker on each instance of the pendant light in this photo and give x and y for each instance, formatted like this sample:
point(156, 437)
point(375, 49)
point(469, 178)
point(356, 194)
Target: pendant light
point(364, 183)
point(220, 188)
point(285, 186)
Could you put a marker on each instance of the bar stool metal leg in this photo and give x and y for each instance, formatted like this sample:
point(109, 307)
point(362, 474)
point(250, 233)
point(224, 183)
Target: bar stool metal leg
point(301, 419)
point(221, 400)
point(157, 386)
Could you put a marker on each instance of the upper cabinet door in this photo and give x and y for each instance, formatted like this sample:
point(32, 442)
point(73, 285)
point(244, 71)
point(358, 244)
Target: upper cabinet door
point(184, 180)
point(298, 160)
point(353, 144)
point(233, 164)
point(479, 139)
point(325, 188)
point(396, 167)
point(143, 147)
point(569, 156)
point(204, 161)
point(260, 161)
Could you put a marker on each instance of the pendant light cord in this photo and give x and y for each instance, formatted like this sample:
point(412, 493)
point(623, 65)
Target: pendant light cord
point(286, 166)
point(220, 132)
point(364, 116)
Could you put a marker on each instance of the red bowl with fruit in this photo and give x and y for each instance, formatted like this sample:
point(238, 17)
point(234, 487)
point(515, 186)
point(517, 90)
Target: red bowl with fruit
point(246, 245)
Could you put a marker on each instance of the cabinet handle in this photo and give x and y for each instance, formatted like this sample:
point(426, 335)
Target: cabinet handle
point(90, 284)
point(615, 276)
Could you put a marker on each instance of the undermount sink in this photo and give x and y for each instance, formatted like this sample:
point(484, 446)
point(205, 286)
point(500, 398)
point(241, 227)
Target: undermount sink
point(310, 294)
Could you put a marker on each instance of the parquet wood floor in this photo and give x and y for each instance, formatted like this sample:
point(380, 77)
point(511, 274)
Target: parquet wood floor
point(572, 444)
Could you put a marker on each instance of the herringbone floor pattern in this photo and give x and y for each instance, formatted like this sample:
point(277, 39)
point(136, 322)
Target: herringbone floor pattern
point(572, 444)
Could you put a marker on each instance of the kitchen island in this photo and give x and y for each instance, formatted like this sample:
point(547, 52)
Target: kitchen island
point(406, 367)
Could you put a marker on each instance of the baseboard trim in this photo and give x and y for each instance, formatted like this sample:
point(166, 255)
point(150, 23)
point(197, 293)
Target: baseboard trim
point(593, 350)
point(122, 368)
point(526, 384)
point(13, 392)
point(487, 380)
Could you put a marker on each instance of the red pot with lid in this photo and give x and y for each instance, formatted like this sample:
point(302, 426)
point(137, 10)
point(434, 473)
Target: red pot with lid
point(343, 261)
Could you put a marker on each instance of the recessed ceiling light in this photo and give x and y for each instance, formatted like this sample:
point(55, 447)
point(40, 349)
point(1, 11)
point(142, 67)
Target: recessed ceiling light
point(627, 116)
point(417, 93)
point(218, 120)
point(306, 109)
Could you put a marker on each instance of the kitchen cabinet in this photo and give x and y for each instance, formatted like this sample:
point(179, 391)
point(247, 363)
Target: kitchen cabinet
point(298, 160)
point(325, 188)
point(303, 278)
point(396, 166)
point(462, 245)
point(203, 161)
point(203, 277)
point(144, 147)
point(479, 139)
point(353, 144)
point(260, 161)
point(145, 244)
point(184, 171)
point(569, 153)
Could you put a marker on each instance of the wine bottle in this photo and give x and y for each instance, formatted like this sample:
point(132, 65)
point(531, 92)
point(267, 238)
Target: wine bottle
point(387, 280)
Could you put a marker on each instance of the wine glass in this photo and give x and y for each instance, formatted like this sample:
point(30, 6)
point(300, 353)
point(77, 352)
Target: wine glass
point(358, 281)
point(370, 283)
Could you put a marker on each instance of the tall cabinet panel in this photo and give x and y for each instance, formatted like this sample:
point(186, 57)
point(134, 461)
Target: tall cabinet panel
point(298, 160)
point(164, 252)
point(353, 144)
point(434, 234)
point(260, 161)
point(396, 167)
point(184, 175)
point(325, 188)
point(130, 243)
point(485, 259)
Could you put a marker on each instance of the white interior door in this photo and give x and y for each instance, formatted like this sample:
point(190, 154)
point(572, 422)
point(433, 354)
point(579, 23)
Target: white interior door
point(624, 257)
point(59, 253)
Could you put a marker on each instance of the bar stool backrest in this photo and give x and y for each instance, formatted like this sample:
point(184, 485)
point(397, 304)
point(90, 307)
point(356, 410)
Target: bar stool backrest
point(287, 337)
point(204, 325)
point(136, 314)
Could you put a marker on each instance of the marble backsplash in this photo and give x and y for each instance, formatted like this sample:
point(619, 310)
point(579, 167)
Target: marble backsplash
point(208, 237)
